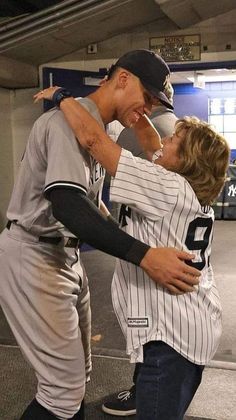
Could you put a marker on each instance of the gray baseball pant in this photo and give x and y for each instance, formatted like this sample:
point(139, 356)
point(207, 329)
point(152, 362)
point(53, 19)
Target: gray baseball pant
point(45, 297)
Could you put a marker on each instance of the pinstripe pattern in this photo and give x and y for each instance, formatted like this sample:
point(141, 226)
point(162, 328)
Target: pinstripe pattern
point(164, 209)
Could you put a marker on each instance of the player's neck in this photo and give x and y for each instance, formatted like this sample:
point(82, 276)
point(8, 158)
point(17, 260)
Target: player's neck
point(102, 97)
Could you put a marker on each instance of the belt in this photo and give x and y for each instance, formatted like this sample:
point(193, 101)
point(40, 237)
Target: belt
point(54, 240)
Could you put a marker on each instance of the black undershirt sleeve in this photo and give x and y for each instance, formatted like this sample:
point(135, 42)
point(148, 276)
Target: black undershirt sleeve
point(78, 214)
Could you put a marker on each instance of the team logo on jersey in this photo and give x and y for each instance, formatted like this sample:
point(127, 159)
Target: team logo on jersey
point(125, 211)
point(232, 190)
point(138, 322)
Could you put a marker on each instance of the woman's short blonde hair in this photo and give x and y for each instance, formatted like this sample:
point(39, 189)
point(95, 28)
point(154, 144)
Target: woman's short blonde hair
point(204, 156)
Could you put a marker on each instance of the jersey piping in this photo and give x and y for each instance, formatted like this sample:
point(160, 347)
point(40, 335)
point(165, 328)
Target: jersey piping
point(66, 184)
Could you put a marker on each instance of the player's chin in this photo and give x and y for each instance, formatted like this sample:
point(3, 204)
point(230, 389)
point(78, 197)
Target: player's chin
point(129, 122)
point(125, 121)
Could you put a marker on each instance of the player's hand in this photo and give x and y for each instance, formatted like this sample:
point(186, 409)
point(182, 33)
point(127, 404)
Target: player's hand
point(45, 93)
point(167, 267)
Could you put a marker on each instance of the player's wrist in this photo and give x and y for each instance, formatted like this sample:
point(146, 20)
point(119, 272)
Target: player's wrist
point(137, 252)
point(59, 95)
point(144, 263)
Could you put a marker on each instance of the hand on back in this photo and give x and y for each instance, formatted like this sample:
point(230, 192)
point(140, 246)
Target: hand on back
point(167, 267)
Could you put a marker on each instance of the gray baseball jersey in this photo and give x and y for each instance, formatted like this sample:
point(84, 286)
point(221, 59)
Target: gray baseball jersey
point(54, 158)
point(161, 209)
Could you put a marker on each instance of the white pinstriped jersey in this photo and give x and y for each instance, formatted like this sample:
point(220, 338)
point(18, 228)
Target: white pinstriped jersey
point(161, 209)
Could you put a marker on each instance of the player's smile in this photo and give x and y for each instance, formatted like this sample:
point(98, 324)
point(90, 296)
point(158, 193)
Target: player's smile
point(138, 100)
point(138, 111)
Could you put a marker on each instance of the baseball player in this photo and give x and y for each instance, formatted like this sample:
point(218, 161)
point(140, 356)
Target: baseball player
point(166, 204)
point(42, 281)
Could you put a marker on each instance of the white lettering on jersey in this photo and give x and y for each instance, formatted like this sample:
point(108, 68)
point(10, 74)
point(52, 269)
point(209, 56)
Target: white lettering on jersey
point(97, 176)
point(97, 171)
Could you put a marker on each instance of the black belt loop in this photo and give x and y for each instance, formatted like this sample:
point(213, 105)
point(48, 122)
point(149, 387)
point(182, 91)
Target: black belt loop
point(9, 223)
point(8, 226)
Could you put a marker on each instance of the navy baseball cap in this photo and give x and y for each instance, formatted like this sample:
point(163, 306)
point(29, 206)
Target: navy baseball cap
point(150, 68)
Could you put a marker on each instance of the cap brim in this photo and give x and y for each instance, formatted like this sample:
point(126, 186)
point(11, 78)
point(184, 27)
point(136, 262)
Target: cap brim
point(159, 95)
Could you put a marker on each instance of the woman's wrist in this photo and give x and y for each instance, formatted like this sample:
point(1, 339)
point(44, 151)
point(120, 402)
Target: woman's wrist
point(59, 95)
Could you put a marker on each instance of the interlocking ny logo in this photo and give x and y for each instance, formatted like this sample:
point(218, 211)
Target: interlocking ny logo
point(232, 190)
point(125, 212)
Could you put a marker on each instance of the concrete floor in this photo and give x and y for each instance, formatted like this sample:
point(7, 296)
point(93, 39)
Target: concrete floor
point(215, 399)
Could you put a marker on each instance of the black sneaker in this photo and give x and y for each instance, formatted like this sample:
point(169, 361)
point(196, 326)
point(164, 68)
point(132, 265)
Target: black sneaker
point(123, 404)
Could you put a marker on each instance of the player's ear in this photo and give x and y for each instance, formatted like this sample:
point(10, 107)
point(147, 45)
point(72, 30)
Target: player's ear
point(123, 77)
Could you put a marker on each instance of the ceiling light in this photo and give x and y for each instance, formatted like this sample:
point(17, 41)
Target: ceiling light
point(199, 80)
point(218, 78)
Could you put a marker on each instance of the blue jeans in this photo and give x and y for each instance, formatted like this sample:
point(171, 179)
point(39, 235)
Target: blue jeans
point(165, 383)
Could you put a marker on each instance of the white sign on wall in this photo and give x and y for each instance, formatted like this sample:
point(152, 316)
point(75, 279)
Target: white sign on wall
point(177, 48)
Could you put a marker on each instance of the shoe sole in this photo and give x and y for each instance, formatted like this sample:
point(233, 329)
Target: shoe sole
point(118, 413)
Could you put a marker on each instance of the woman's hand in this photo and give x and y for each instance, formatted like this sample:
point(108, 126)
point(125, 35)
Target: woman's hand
point(45, 93)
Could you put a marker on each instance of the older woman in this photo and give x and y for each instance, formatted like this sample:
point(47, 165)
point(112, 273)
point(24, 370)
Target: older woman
point(166, 202)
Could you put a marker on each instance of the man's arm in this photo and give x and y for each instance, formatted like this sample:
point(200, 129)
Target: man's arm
point(82, 217)
point(75, 211)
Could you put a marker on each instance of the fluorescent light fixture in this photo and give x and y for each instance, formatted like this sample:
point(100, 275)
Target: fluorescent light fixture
point(199, 80)
point(218, 78)
point(92, 81)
